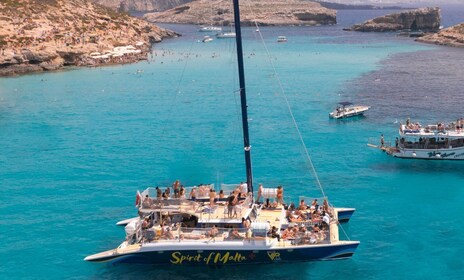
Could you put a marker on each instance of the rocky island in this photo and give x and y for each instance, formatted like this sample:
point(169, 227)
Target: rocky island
point(263, 12)
point(451, 36)
point(424, 19)
point(50, 34)
point(141, 5)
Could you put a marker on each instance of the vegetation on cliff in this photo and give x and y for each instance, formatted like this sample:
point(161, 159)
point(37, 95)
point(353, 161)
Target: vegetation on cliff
point(48, 34)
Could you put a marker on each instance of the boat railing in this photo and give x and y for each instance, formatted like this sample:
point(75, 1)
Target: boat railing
point(169, 204)
point(250, 236)
point(208, 213)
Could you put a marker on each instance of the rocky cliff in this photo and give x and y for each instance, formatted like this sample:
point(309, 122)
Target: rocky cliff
point(49, 34)
point(425, 19)
point(264, 12)
point(451, 36)
point(141, 5)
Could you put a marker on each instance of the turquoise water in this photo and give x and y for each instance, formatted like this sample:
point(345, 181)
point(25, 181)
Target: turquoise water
point(77, 144)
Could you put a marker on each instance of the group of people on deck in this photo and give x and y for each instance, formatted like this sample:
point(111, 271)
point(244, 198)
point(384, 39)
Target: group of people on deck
point(314, 213)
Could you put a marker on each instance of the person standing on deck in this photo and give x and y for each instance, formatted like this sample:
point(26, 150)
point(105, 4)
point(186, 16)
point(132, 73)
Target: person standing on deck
point(280, 195)
point(212, 196)
point(260, 192)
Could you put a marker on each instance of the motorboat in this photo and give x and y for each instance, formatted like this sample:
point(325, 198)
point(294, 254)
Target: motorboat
point(282, 39)
point(348, 109)
point(210, 28)
point(229, 34)
point(207, 39)
point(440, 141)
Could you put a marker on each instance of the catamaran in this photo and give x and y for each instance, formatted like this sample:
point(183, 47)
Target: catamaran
point(196, 226)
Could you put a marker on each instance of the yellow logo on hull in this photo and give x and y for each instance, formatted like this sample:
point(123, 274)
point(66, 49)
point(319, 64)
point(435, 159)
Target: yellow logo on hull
point(211, 258)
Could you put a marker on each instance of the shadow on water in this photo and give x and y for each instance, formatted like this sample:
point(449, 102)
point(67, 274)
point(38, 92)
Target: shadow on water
point(348, 120)
point(421, 166)
point(131, 271)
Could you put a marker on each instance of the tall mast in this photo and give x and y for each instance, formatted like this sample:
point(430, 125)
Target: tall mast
point(243, 101)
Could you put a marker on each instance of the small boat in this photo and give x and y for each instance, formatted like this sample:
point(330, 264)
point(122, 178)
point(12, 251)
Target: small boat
point(210, 28)
point(207, 39)
point(435, 141)
point(348, 109)
point(203, 228)
point(228, 34)
point(282, 39)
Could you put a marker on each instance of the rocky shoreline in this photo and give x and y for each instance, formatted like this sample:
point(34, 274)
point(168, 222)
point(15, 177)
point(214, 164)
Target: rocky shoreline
point(53, 34)
point(451, 36)
point(424, 19)
point(263, 12)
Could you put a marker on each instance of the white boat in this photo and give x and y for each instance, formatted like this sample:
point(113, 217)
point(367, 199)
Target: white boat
point(281, 39)
point(348, 109)
point(228, 34)
point(207, 39)
point(437, 141)
point(210, 28)
point(205, 229)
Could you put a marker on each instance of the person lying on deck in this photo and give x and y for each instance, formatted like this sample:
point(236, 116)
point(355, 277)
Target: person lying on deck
point(234, 235)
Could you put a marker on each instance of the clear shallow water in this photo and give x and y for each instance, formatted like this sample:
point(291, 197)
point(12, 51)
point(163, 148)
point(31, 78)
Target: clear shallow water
point(77, 144)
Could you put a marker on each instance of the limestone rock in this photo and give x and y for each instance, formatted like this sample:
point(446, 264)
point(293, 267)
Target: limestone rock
point(46, 35)
point(264, 12)
point(451, 36)
point(425, 19)
point(141, 5)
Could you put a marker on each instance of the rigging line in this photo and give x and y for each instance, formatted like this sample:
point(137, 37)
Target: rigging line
point(344, 232)
point(177, 90)
point(311, 165)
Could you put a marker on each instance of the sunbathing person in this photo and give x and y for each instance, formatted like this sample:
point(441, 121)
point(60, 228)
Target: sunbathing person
point(234, 235)
point(213, 232)
point(287, 233)
point(191, 236)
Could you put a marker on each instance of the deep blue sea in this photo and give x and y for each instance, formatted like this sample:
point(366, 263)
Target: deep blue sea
point(77, 144)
